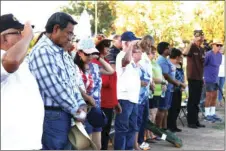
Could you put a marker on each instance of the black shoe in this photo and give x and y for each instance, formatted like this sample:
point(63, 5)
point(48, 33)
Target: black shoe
point(192, 126)
point(175, 130)
point(200, 125)
point(178, 130)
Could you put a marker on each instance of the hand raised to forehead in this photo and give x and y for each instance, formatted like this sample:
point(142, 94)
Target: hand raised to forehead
point(132, 44)
point(27, 31)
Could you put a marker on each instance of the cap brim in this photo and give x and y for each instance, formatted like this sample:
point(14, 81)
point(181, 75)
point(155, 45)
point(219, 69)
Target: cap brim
point(103, 41)
point(21, 26)
point(90, 51)
point(216, 44)
point(132, 39)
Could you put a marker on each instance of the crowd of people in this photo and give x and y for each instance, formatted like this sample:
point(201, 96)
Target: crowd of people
point(98, 81)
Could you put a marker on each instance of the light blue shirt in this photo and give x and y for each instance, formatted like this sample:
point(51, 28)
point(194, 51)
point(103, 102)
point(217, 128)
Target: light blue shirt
point(167, 68)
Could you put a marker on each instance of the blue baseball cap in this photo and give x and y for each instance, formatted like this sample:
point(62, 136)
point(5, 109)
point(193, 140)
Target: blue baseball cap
point(128, 36)
point(96, 117)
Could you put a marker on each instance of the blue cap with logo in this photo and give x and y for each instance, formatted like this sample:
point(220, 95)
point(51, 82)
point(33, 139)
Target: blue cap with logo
point(128, 36)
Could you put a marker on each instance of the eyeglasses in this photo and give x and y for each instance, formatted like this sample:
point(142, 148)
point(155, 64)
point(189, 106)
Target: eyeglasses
point(71, 36)
point(13, 33)
point(219, 45)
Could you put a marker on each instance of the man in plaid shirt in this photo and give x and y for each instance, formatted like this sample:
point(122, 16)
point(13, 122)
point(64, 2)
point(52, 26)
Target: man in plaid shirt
point(51, 68)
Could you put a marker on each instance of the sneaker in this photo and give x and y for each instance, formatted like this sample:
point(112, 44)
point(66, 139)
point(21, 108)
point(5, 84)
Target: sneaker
point(210, 119)
point(145, 146)
point(216, 118)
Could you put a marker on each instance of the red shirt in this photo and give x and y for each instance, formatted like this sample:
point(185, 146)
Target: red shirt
point(108, 90)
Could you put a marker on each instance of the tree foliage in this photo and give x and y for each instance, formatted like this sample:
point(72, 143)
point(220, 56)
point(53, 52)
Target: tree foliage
point(105, 14)
point(164, 20)
point(211, 19)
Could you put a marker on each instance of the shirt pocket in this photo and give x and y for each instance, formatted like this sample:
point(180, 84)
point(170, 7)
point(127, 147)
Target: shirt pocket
point(61, 69)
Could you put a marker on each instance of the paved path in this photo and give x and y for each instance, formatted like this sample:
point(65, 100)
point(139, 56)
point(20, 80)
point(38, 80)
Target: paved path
point(209, 138)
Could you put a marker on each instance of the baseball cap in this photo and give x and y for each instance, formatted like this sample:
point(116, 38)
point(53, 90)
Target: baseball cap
point(8, 21)
point(128, 36)
point(87, 45)
point(96, 117)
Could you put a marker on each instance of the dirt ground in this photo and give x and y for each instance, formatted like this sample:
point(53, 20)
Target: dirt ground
point(210, 138)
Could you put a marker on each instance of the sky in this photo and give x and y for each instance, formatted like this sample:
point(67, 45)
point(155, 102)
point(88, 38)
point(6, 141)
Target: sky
point(38, 12)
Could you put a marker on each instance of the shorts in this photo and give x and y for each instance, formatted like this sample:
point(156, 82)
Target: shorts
point(211, 87)
point(154, 102)
point(90, 129)
point(165, 103)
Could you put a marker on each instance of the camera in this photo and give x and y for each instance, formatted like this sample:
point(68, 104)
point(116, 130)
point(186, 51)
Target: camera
point(206, 45)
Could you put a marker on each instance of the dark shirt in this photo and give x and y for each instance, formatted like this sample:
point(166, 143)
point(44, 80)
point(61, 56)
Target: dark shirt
point(113, 52)
point(195, 63)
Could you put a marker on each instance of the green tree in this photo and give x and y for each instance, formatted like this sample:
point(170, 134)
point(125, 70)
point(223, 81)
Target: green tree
point(211, 19)
point(158, 18)
point(105, 14)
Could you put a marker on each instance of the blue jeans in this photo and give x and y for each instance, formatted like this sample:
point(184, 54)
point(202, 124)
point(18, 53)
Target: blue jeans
point(56, 127)
point(126, 126)
point(144, 119)
point(221, 81)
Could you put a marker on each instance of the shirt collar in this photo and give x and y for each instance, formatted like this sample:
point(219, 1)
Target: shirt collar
point(55, 47)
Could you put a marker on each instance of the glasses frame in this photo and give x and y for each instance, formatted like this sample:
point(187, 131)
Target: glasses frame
point(12, 33)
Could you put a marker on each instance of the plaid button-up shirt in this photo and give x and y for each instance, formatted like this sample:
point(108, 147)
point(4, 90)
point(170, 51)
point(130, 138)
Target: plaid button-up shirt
point(52, 70)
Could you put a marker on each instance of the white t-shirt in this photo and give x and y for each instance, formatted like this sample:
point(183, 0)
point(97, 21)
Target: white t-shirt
point(128, 80)
point(22, 110)
point(221, 69)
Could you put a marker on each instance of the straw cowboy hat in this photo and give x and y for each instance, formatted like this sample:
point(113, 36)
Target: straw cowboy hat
point(79, 138)
point(217, 42)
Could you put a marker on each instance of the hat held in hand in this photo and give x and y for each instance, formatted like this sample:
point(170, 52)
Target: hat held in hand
point(79, 138)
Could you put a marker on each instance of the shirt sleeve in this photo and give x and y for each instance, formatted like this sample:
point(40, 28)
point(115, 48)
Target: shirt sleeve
point(165, 67)
point(4, 73)
point(118, 65)
point(191, 51)
point(47, 72)
point(79, 80)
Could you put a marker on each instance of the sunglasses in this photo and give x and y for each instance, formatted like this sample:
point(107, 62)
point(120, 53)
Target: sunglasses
point(219, 45)
point(13, 33)
point(88, 54)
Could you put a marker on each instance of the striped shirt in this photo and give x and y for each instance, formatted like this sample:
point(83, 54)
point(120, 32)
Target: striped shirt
point(52, 69)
